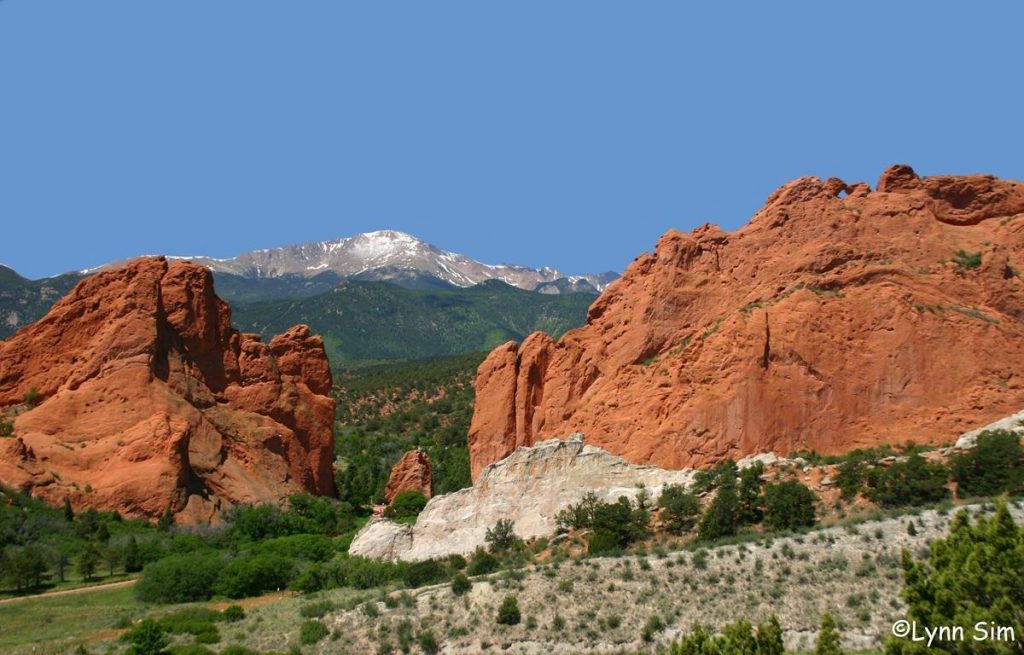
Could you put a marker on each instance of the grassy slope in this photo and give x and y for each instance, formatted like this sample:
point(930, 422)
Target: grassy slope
point(851, 571)
point(364, 323)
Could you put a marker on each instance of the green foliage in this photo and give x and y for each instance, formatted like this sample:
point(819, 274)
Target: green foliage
point(89, 560)
point(406, 505)
point(23, 567)
point(502, 537)
point(147, 638)
point(722, 517)
point(602, 542)
point(482, 563)
point(967, 260)
point(508, 611)
point(32, 397)
point(166, 519)
point(828, 637)
point(316, 610)
point(420, 574)
point(386, 411)
point(914, 481)
point(976, 574)
point(850, 477)
point(750, 504)
point(461, 584)
point(233, 613)
point(788, 505)
point(308, 547)
point(420, 323)
point(179, 578)
point(305, 515)
point(196, 621)
point(427, 642)
point(6, 427)
point(995, 465)
point(738, 638)
point(614, 526)
point(252, 575)
point(679, 509)
point(312, 631)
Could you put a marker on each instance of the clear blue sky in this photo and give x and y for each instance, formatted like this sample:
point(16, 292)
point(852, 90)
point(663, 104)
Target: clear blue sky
point(569, 134)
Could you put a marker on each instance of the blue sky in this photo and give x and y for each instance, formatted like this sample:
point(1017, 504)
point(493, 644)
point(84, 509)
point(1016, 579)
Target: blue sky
point(569, 134)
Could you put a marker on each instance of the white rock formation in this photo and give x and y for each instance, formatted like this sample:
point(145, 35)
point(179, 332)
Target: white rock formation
point(530, 487)
point(1014, 423)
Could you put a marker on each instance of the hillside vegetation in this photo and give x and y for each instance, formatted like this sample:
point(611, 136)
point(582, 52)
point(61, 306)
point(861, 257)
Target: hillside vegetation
point(367, 323)
point(387, 410)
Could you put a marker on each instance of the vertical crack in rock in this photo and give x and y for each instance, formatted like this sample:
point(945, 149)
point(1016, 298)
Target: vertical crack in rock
point(767, 343)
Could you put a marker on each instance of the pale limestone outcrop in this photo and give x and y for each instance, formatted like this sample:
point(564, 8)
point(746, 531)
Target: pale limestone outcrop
point(1014, 423)
point(530, 487)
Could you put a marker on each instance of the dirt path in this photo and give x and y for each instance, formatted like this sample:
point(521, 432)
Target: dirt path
point(65, 592)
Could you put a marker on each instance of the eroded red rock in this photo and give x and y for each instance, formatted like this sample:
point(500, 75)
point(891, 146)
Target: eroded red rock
point(829, 322)
point(151, 399)
point(410, 473)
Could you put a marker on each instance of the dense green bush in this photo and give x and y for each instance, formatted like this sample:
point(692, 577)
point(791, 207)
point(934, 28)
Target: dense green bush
point(722, 517)
point(309, 547)
point(461, 584)
point(180, 578)
point(482, 563)
point(423, 573)
point(191, 620)
point(147, 638)
point(312, 631)
point(679, 509)
point(788, 505)
point(252, 575)
point(995, 465)
point(233, 613)
point(508, 611)
point(914, 481)
point(406, 505)
point(602, 542)
point(850, 476)
point(614, 525)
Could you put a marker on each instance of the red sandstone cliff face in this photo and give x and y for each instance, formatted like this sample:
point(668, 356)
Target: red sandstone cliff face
point(837, 318)
point(151, 399)
point(410, 473)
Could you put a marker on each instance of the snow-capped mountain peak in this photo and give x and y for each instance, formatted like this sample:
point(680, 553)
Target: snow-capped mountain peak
point(397, 256)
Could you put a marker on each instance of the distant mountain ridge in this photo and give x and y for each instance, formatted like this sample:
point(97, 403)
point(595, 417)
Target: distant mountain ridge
point(392, 256)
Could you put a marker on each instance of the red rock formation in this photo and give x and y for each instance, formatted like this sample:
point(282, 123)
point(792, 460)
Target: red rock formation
point(837, 318)
point(411, 473)
point(151, 399)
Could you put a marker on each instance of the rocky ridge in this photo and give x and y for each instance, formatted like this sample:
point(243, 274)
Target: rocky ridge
point(394, 256)
point(135, 394)
point(840, 317)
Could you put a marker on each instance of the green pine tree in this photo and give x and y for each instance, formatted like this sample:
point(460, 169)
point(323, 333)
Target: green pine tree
point(828, 637)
